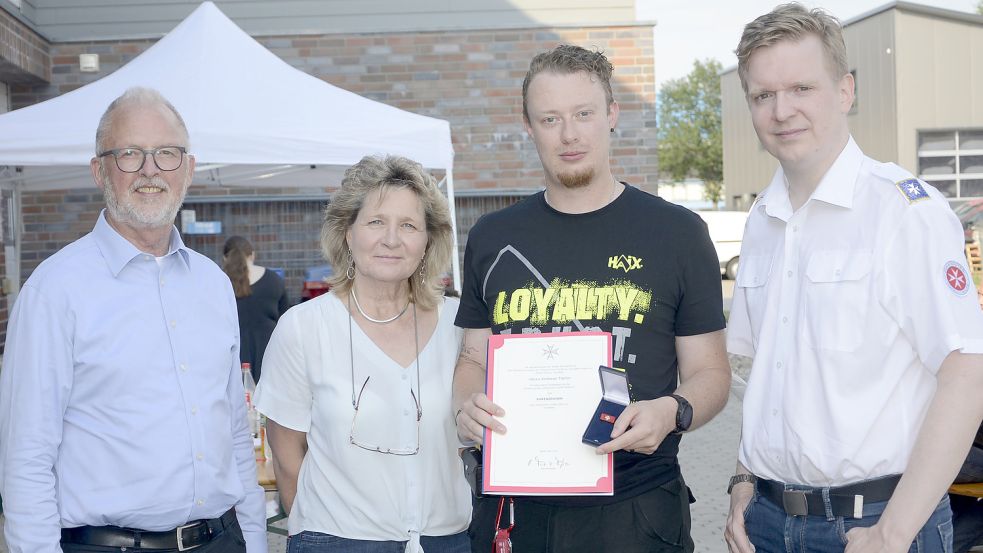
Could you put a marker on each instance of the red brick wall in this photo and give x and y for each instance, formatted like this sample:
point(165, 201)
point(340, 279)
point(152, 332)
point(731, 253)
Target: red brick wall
point(23, 54)
point(473, 79)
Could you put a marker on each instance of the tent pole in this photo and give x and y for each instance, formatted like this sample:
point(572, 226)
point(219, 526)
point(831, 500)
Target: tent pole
point(455, 261)
point(12, 254)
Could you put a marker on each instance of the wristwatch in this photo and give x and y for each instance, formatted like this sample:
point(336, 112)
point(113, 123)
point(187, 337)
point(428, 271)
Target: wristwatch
point(739, 478)
point(684, 414)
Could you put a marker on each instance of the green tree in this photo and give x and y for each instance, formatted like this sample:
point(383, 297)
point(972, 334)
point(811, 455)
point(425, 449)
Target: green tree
point(979, 7)
point(690, 140)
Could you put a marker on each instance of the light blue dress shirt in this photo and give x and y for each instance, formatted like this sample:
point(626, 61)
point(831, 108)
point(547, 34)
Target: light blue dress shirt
point(121, 398)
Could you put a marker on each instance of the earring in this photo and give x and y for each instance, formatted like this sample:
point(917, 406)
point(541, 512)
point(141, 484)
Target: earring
point(612, 129)
point(350, 273)
point(423, 273)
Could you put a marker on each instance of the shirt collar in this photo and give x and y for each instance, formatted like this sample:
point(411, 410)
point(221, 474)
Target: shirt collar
point(836, 187)
point(118, 251)
point(839, 182)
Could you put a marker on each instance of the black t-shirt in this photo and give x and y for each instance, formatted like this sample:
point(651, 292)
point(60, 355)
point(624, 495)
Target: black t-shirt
point(641, 268)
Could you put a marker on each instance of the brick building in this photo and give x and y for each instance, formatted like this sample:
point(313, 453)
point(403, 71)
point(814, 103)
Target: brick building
point(462, 62)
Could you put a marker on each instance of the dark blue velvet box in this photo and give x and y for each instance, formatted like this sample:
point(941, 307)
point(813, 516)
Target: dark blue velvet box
point(614, 399)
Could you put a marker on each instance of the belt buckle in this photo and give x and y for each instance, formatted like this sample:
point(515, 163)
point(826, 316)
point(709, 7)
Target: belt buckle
point(180, 537)
point(794, 502)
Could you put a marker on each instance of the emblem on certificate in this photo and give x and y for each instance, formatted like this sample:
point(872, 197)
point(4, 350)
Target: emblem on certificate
point(549, 388)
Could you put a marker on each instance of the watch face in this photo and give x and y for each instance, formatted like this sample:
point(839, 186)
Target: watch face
point(684, 415)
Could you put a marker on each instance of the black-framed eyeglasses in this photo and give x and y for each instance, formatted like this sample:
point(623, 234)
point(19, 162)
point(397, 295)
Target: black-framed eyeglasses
point(353, 439)
point(130, 160)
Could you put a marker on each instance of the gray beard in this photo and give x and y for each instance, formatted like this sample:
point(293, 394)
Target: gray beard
point(162, 216)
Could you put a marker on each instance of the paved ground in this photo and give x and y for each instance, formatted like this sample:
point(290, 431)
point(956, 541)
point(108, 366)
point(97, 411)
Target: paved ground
point(708, 457)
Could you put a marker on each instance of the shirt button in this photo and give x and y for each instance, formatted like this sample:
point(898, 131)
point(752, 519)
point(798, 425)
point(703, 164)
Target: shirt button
point(199, 456)
point(779, 364)
point(785, 320)
point(837, 272)
point(200, 502)
point(774, 412)
point(194, 410)
point(404, 377)
point(406, 411)
point(789, 274)
point(795, 228)
point(183, 367)
point(162, 282)
point(173, 324)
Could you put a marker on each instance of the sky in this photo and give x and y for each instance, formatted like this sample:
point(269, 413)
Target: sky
point(687, 30)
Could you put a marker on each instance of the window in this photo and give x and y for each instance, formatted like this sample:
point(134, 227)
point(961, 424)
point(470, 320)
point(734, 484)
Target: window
point(952, 161)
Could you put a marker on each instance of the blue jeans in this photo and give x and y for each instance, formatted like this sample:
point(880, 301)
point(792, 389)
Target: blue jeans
point(316, 542)
point(771, 530)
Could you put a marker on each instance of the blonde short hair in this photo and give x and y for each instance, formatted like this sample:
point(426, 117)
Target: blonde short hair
point(793, 22)
point(567, 59)
point(391, 172)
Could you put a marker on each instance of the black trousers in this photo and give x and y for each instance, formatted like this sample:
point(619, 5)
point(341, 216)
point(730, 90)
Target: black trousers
point(654, 522)
point(228, 541)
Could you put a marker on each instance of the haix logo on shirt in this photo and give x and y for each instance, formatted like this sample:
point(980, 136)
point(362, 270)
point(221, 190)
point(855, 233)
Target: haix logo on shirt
point(625, 262)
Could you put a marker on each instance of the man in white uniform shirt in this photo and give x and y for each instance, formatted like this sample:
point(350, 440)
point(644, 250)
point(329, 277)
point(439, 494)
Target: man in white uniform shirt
point(854, 299)
point(122, 414)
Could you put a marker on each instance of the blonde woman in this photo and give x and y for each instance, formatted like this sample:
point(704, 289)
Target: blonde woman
point(357, 382)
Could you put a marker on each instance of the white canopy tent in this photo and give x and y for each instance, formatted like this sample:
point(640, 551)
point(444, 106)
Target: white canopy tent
point(254, 119)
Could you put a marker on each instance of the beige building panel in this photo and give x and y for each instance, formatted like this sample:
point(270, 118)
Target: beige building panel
point(870, 50)
point(940, 76)
point(748, 168)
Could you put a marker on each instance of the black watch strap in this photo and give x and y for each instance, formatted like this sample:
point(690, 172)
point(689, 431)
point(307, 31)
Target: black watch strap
point(739, 478)
point(684, 414)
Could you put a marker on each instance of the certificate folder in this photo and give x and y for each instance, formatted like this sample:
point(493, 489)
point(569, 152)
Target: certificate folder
point(614, 399)
point(548, 386)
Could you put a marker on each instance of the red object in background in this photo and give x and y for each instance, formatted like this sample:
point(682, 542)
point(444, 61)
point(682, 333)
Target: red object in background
point(313, 289)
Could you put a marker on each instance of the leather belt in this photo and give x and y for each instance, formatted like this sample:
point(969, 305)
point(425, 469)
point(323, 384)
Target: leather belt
point(183, 538)
point(846, 501)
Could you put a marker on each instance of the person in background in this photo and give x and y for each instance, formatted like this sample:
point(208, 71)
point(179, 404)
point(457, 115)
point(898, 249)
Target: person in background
point(122, 420)
point(357, 383)
point(261, 298)
point(854, 299)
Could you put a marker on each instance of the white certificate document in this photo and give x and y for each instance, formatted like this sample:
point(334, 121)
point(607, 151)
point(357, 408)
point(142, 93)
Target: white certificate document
point(548, 385)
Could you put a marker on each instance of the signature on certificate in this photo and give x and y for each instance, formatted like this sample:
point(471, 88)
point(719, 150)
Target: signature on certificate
point(554, 462)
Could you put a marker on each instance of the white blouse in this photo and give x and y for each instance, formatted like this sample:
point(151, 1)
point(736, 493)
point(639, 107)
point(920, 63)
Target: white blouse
point(347, 491)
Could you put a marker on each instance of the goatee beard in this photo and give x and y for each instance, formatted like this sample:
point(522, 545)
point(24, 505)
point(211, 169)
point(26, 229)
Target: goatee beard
point(576, 180)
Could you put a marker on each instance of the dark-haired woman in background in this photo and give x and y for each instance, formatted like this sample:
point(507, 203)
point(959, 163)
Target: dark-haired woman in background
point(260, 296)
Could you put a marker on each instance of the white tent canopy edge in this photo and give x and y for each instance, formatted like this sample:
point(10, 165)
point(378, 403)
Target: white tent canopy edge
point(254, 120)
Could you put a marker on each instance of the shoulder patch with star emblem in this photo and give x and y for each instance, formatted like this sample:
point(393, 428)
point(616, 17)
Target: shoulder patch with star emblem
point(912, 190)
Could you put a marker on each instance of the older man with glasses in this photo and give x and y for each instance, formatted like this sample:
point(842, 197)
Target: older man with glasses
point(122, 420)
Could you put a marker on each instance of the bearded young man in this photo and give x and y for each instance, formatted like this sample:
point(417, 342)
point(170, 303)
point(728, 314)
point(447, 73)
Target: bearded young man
point(634, 265)
point(122, 420)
